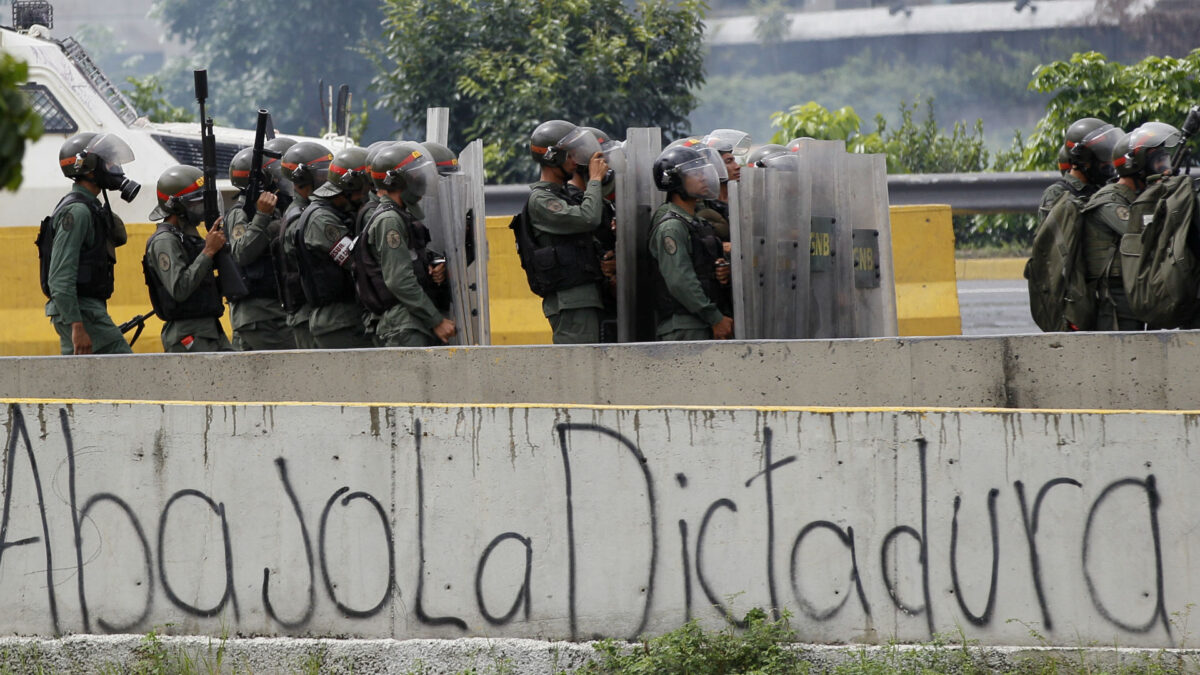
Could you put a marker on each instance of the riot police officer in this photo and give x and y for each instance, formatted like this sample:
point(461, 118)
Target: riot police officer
point(77, 246)
point(1088, 143)
point(563, 232)
point(1105, 221)
point(323, 240)
point(689, 270)
point(443, 158)
point(395, 275)
point(259, 320)
point(178, 266)
point(305, 165)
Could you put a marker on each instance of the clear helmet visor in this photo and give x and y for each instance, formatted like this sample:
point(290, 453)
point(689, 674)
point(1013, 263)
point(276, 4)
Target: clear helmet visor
point(420, 174)
point(580, 145)
point(614, 154)
point(111, 149)
point(784, 161)
point(739, 142)
point(1155, 134)
point(715, 159)
point(699, 178)
point(1102, 141)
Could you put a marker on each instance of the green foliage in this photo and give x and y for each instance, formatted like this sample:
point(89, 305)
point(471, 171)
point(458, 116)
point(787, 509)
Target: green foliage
point(18, 122)
point(146, 94)
point(1089, 85)
point(270, 54)
point(762, 648)
point(913, 146)
point(503, 67)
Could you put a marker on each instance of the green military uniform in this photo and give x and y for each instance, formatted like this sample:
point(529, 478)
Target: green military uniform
point(338, 325)
point(1104, 222)
point(670, 244)
point(574, 313)
point(298, 320)
point(1057, 189)
point(73, 233)
point(365, 212)
point(411, 322)
point(181, 277)
point(259, 324)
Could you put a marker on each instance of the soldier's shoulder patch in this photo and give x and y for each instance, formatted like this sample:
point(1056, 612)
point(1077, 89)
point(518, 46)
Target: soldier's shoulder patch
point(555, 206)
point(164, 261)
point(393, 238)
point(669, 245)
point(239, 231)
point(67, 221)
point(1123, 212)
point(331, 232)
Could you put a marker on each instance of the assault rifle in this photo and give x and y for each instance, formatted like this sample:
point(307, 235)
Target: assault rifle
point(140, 322)
point(229, 277)
point(1190, 126)
point(262, 133)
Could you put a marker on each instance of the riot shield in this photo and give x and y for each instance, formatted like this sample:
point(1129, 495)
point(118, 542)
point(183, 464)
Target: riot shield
point(830, 311)
point(437, 125)
point(475, 252)
point(444, 216)
point(747, 234)
point(786, 221)
point(864, 209)
point(637, 198)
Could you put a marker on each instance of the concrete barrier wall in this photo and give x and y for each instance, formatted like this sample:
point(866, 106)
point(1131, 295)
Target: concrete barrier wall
point(519, 521)
point(1147, 371)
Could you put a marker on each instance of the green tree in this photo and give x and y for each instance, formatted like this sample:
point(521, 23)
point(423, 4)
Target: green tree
point(503, 66)
point(1158, 88)
point(146, 94)
point(18, 122)
point(271, 54)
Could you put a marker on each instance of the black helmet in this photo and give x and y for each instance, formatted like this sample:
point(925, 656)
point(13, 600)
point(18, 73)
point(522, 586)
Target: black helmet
point(239, 168)
point(306, 164)
point(73, 159)
point(347, 173)
point(406, 167)
point(180, 193)
point(545, 144)
point(685, 171)
point(764, 151)
point(1151, 149)
point(443, 158)
point(1092, 153)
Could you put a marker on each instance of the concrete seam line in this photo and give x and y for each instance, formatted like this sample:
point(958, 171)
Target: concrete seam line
point(610, 406)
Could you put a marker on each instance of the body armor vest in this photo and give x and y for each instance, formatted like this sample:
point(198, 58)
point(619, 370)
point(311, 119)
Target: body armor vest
point(368, 273)
point(259, 275)
point(704, 247)
point(95, 276)
point(564, 261)
point(323, 281)
point(287, 269)
point(204, 302)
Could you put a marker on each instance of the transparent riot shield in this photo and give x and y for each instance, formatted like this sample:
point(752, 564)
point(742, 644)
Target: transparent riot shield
point(830, 309)
point(864, 208)
point(786, 222)
point(475, 252)
point(445, 218)
point(637, 198)
point(747, 233)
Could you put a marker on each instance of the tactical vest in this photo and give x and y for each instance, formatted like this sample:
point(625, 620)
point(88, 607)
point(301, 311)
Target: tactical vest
point(259, 274)
point(323, 281)
point(204, 302)
point(368, 273)
point(566, 261)
point(95, 277)
point(704, 247)
point(287, 269)
point(605, 237)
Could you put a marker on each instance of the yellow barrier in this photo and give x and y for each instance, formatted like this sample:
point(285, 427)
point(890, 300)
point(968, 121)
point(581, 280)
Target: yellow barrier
point(923, 259)
point(923, 255)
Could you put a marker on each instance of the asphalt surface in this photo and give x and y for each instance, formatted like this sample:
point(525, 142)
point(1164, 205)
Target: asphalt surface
point(995, 307)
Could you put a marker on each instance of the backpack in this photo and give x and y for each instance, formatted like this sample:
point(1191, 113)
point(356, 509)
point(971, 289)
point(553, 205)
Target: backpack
point(523, 231)
point(1160, 272)
point(1060, 298)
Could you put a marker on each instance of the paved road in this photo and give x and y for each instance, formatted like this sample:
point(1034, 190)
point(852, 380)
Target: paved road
point(995, 308)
